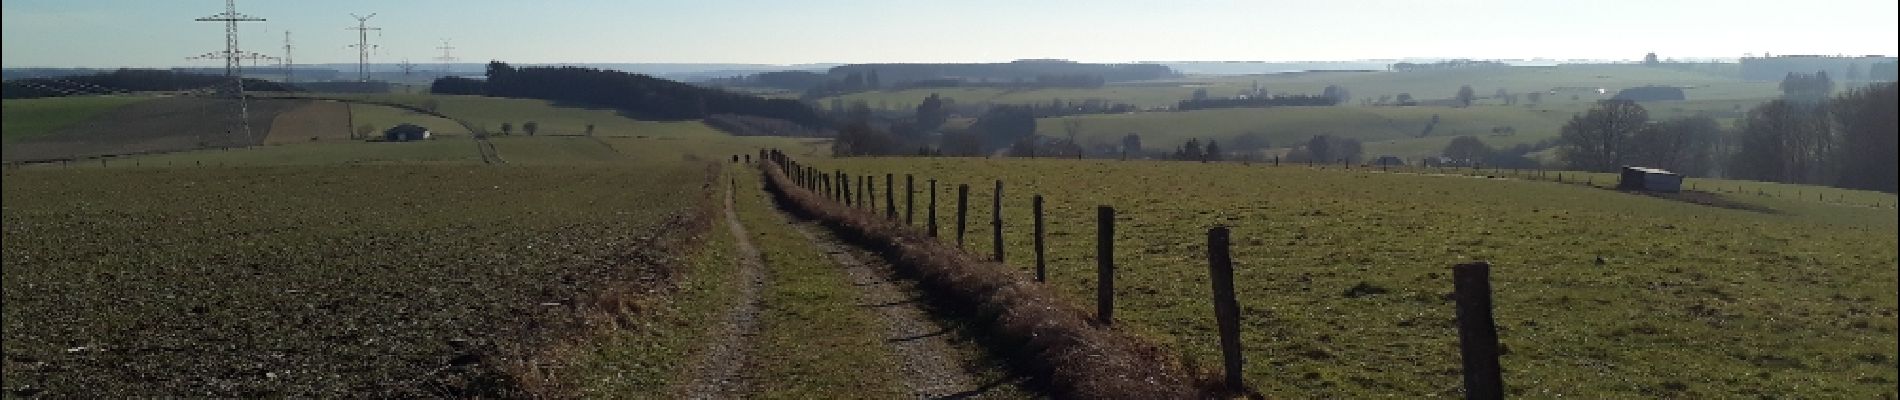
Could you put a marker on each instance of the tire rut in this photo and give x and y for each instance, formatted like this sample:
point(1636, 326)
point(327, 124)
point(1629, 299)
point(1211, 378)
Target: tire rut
point(720, 371)
point(933, 366)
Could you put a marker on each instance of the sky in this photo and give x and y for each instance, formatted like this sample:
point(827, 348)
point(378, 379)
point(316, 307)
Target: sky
point(162, 33)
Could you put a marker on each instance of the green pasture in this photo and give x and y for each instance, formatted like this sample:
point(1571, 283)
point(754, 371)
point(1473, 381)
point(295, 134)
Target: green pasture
point(26, 118)
point(1344, 275)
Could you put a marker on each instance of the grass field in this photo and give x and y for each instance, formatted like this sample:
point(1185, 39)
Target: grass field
point(314, 281)
point(1421, 84)
point(380, 118)
point(491, 112)
point(1385, 130)
point(34, 117)
point(1343, 277)
point(445, 150)
point(1292, 126)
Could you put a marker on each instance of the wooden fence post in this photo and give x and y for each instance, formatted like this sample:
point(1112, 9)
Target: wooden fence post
point(996, 222)
point(1036, 207)
point(890, 196)
point(1477, 332)
point(963, 200)
point(910, 200)
point(933, 208)
point(1105, 265)
point(1220, 267)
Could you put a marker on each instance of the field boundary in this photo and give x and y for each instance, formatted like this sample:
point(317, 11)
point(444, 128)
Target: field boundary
point(1054, 342)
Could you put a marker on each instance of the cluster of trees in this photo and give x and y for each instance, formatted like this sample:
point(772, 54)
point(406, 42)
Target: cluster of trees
point(1339, 94)
point(1615, 133)
point(1010, 127)
point(787, 80)
point(635, 94)
point(1193, 151)
point(856, 81)
point(1810, 88)
point(1328, 149)
point(1202, 103)
point(745, 125)
point(1847, 141)
point(530, 128)
point(1447, 64)
point(1471, 151)
point(1063, 108)
point(125, 80)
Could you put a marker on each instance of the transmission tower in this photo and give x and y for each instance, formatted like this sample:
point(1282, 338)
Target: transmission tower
point(233, 60)
point(362, 44)
point(287, 62)
point(230, 18)
point(446, 58)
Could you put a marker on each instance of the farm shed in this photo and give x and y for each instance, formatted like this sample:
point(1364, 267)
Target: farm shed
point(405, 132)
point(1649, 179)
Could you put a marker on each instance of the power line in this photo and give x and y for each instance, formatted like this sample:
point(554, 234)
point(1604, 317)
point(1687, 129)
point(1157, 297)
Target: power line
point(362, 44)
point(230, 17)
point(446, 58)
point(287, 63)
point(233, 60)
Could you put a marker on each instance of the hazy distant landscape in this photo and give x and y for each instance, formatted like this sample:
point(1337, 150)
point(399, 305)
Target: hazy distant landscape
point(817, 201)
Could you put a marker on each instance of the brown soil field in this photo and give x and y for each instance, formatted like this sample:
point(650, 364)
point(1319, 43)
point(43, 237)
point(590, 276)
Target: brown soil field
point(319, 120)
point(160, 125)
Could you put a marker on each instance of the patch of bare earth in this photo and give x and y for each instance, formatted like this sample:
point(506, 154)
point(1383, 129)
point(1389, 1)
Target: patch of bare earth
point(159, 125)
point(318, 120)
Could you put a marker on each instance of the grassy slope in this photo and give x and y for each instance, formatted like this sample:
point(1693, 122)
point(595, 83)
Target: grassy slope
point(319, 153)
point(380, 118)
point(26, 118)
point(1387, 131)
point(1693, 301)
point(491, 112)
point(1291, 126)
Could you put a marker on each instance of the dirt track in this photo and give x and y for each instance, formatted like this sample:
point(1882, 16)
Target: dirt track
point(158, 125)
point(719, 373)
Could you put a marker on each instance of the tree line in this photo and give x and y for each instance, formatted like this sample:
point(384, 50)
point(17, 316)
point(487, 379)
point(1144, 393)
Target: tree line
point(638, 95)
point(1263, 101)
point(1808, 136)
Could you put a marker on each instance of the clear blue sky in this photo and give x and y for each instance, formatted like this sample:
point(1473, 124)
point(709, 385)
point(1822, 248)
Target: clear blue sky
point(146, 33)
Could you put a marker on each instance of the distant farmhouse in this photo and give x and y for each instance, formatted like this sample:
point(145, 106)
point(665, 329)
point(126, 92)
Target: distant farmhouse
point(405, 132)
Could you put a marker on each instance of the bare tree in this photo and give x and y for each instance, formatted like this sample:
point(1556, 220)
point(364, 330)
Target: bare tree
point(1867, 123)
point(1598, 139)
